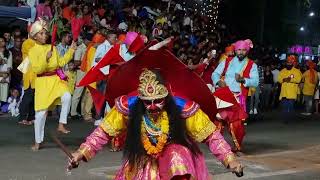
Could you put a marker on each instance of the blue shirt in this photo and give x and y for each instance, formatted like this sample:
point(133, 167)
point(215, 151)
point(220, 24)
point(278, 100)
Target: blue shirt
point(62, 49)
point(124, 53)
point(236, 67)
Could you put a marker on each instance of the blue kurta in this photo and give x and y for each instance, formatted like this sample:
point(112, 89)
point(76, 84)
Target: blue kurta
point(234, 67)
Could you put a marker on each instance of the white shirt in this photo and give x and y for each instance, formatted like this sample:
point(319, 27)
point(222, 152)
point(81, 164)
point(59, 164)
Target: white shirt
point(275, 74)
point(102, 50)
point(80, 51)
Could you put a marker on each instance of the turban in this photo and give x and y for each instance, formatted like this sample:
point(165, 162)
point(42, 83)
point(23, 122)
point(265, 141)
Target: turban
point(243, 44)
point(98, 38)
point(130, 37)
point(121, 38)
point(38, 26)
point(229, 49)
point(311, 66)
point(292, 59)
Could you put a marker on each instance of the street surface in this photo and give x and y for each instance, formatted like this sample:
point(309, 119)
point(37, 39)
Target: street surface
point(274, 150)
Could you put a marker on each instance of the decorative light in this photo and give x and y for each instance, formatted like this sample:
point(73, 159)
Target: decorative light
point(311, 14)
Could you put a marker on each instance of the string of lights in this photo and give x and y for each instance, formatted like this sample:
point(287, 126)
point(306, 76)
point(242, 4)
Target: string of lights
point(210, 9)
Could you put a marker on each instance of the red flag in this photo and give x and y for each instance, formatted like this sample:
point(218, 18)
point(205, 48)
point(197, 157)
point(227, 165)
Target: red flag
point(97, 97)
point(95, 74)
point(136, 45)
point(54, 35)
point(76, 26)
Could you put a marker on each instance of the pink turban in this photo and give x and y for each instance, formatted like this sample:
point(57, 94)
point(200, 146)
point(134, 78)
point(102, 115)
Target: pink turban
point(130, 37)
point(243, 44)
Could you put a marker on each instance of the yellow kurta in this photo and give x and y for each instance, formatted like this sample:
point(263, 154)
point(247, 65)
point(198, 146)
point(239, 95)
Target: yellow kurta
point(91, 53)
point(290, 89)
point(29, 77)
point(48, 88)
point(71, 80)
point(199, 126)
point(308, 87)
point(223, 57)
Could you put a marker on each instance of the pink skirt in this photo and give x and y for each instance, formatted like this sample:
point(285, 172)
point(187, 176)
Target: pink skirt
point(175, 160)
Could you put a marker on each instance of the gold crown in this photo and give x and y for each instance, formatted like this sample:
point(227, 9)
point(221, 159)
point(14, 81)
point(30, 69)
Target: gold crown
point(149, 88)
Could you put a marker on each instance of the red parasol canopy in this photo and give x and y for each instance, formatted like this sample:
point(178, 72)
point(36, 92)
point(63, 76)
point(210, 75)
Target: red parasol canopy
point(181, 81)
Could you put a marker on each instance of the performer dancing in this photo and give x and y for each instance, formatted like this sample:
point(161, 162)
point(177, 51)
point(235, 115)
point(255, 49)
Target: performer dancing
point(236, 75)
point(49, 86)
point(161, 134)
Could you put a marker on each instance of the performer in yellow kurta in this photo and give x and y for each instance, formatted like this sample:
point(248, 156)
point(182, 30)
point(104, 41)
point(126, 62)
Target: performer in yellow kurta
point(289, 77)
point(310, 79)
point(50, 87)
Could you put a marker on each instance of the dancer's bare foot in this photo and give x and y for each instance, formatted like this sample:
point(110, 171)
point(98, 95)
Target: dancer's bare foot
point(62, 129)
point(35, 147)
point(23, 122)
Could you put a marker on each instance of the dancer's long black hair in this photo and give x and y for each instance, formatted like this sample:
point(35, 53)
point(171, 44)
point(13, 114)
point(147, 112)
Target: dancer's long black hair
point(134, 150)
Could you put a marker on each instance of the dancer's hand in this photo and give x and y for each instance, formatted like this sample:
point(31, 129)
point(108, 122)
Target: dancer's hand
point(49, 54)
point(222, 83)
point(236, 168)
point(74, 162)
point(73, 45)
point(288, 79)
point(77, 156)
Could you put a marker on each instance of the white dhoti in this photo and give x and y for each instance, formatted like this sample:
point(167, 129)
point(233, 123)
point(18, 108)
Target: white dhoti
point(41, 116)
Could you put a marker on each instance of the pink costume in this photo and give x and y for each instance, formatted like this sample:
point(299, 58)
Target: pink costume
point(174, 159)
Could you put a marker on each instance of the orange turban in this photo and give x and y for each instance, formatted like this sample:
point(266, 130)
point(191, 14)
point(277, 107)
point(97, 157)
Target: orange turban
point(311, 66)
point(121, 38)
point(97, 38)
point(229, 49)
point(292, 59)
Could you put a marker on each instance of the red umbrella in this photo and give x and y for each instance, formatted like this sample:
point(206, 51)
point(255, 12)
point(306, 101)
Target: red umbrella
point(181, 81)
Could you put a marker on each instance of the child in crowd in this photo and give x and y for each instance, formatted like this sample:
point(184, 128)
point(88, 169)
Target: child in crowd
point(14, 102)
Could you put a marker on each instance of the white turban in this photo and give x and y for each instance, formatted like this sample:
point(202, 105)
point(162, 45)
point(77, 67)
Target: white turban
point(38, 26)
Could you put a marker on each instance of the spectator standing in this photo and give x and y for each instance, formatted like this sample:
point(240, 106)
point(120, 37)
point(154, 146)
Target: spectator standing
point(16, 75)
point(63, 46)
point(78, 92)
point(26, 108)
point(289, 77)
point(276, 86)
point(44, 10)
point(267, 88)
point(310, 79)
point(5, 68)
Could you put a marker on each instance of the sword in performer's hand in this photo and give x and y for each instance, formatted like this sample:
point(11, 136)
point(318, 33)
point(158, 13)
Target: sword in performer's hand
point(71, 163)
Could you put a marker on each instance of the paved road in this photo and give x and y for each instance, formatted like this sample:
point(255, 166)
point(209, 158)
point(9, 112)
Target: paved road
point(273, 151)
